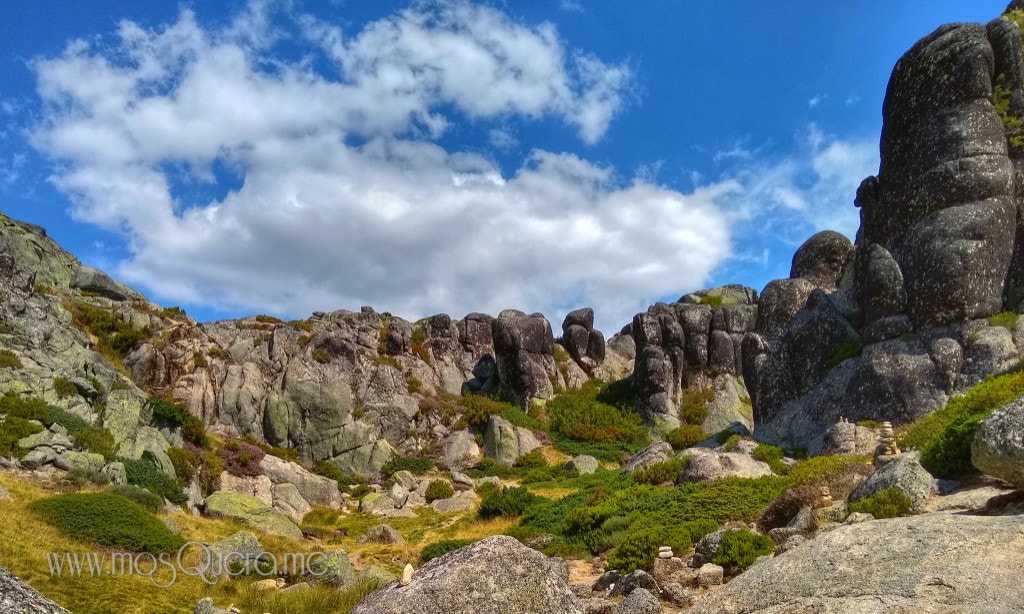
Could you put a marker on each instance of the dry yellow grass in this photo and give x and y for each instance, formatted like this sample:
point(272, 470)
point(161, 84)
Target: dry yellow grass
point(25, 540)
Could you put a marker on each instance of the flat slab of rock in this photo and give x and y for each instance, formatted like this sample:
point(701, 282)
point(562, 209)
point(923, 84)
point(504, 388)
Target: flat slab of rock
point(929, 564)
point(252, 513)
point(497, 575)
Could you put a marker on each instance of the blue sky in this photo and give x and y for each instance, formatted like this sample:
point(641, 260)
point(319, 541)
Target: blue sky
point(244, 157)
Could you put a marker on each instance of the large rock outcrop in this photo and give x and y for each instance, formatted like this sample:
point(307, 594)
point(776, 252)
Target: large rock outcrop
point(688, 344)
point(524, 349)
point(931, 564)
point(891, 328)
point(497, 575)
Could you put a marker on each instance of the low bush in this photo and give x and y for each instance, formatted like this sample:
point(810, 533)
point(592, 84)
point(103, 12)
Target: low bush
point(840, 474)
point(332, 471)
point(578, 415)
point(772, 455)
point(98, 440)
point(685, 436)
point(83, 477)
point(137, 494)
point(413, 464)
point(109, 520)
point(693, 404)
point(9, 360)
point(889, 503)
point(185, 463)
point(174, 414)
point(508, 502)
point(436, 549)
point(144, 473)
point(1006, 319)
point(660, 473)
point(110, 330)
point(12, 429)
point(531, 460)
point(477, 410)
point(63, 388)
point(439, 489)
point(360, 490)
point(944, 436)
point(740, 548)
point(638, 548)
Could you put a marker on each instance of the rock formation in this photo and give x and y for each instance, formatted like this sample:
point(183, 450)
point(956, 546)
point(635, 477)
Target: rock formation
point(688, 344)
point(890, 328)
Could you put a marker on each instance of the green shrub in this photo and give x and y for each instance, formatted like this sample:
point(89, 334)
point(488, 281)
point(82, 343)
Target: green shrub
point(1006, 319)
point(63, 387)
point(772, 455)
point(439, 489)
point(9, 360)
point(578, 415)
point(486, 489)
point(740, 548)
point(96, 439)
point(413, 464)
point(478, 409)
point(712, 300)
point(443, 547)
point(139, 495)
point(110, 331)
point(531, 460)
point(889, 503)
point(360, 490)
point(81, 477)
point(685, 436)
point(944, 436)
point(638, 547)
point(12, 429)
point(142, 472)
point(518, 417)
point(108, 520)
point(839, 473)
point(660, 473)
point(693, 404)
point(332, 471)
point(508, 502)
point(29, 408)
point(185, 463)
point(174, 414)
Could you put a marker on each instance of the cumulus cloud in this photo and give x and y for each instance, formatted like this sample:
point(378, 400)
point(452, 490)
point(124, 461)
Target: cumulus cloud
point(343, 196)
point(790, 197)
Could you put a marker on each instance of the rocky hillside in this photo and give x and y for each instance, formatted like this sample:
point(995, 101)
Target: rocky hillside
point(646, 459)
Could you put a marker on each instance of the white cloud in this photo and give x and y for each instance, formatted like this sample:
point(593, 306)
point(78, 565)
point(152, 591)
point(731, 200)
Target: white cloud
point(502, 139)
point(572, 6)
point(323, 220)
point(852, 100)
point(817, 100)
point(791, 197)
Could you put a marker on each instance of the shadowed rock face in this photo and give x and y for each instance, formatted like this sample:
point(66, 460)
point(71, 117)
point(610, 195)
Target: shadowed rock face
point(901, 324)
